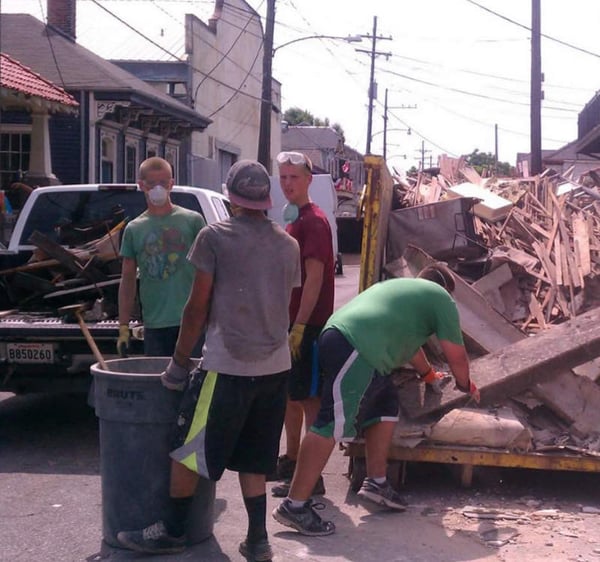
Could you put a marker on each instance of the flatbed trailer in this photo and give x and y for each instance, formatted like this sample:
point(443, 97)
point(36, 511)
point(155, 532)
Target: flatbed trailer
point(377, 207)
point(467, 458)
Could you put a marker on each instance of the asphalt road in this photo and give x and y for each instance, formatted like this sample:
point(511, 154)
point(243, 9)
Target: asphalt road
point(51, 509)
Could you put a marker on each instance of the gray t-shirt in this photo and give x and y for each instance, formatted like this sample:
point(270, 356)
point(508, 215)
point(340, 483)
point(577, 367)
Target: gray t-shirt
point(255, 265)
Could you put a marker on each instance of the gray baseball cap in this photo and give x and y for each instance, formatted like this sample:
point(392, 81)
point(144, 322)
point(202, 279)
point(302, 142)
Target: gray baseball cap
point(249, 186)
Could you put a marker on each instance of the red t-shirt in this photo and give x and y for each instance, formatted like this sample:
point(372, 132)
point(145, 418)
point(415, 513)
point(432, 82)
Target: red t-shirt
point(312, 231)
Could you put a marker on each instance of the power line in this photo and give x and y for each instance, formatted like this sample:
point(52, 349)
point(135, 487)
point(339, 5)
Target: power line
point(226, 56)
point(466, 92)
point(236, 90)
point(488, 75)
point(549, 37)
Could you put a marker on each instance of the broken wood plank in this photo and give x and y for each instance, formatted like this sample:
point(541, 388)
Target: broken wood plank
point(536, 310)
point(66, 258)
point(582, 242)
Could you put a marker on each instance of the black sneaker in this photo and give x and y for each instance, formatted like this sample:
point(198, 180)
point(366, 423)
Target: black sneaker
point(256, 552)
point(304, 519)
point(284, 471)
point(282, 490)
point(154, 539)
point(382, 494)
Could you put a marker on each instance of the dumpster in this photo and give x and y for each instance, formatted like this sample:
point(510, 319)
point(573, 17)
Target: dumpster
point(136, 417)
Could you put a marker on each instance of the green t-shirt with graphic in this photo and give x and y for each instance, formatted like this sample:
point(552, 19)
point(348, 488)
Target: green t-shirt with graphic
point(159, 245)
point(391, 320)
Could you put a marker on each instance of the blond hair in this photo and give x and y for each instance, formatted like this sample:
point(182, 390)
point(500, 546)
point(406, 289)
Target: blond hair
point(152, 164)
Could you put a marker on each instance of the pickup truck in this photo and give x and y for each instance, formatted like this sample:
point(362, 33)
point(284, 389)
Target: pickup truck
point(42, 350)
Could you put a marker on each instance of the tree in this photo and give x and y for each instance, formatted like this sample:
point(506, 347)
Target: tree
point(297, 116)
point(486, 162)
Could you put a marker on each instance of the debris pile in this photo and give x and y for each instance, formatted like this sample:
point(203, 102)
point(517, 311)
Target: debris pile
point(56, 276)
point(527, 256)
point(541, 237)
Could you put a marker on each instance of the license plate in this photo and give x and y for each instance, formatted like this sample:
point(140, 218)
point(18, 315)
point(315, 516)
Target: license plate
point(30, 352)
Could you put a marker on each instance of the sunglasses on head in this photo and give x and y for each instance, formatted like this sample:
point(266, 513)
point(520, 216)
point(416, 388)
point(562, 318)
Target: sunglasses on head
point(295, 158)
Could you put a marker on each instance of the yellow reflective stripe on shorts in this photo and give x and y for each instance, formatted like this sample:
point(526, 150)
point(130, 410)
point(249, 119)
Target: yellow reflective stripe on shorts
point(193, 446)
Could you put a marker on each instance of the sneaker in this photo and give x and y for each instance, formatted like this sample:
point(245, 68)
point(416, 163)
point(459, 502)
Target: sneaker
point(382, 494)
point(256, 552)
point(305, 520)
point(154, 539)
point(282, 490)
point(285, 469)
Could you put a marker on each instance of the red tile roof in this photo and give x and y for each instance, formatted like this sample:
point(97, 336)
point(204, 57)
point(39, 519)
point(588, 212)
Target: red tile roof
point(14, 76)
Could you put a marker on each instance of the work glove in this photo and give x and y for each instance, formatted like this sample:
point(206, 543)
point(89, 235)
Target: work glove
point(176, 376)
point(295, 340)
point(435, 380)
point(123, 340)
point(470, 389)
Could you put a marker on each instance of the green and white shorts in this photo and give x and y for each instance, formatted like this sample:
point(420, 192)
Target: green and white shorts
point(355, 396)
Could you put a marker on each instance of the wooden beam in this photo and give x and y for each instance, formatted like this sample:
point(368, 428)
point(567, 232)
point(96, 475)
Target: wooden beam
point(515, 368)
point(66, 258)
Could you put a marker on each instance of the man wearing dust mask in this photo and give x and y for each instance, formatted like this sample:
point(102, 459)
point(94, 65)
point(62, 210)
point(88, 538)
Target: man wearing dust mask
point(157, 243)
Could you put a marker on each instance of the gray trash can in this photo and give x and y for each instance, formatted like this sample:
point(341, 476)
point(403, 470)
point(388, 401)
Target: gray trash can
point(136, 416)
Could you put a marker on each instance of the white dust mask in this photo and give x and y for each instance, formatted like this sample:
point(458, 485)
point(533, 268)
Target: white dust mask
point(290, 213)
point(158, 195)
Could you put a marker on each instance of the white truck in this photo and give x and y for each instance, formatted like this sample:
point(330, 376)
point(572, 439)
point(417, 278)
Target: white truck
point(40, 349)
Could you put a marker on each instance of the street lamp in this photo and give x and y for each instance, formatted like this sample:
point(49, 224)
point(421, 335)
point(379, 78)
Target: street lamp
point(385, 132)
point(264, 133)
point(408, 131)
point(348, 39)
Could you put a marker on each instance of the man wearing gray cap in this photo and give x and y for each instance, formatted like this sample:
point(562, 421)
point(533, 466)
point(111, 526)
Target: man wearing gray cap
point(233, 406)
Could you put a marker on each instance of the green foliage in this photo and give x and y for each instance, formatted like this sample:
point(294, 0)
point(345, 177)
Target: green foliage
point(485, 164)
point(297, 116)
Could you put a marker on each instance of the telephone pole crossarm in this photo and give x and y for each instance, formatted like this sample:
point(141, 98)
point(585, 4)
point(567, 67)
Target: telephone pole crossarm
point(373, 53)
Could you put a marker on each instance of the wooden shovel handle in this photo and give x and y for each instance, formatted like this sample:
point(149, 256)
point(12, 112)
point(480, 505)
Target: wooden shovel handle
point(90, 340)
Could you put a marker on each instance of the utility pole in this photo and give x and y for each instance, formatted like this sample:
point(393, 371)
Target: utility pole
point(385, 120)
point(496, 146)
point(372, 85)
point(266, 102)
point(536, 89)
point(423, 151)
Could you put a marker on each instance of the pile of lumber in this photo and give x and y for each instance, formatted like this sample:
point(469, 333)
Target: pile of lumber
point(548, 233)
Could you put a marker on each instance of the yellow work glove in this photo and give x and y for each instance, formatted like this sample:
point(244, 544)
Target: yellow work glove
point(123, 341)
point(295, 340)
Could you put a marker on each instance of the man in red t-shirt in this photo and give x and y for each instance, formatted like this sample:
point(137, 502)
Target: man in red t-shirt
point(310, 306)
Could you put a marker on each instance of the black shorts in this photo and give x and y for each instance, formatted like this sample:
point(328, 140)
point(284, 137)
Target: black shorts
point(306, 380)
point(231, 422)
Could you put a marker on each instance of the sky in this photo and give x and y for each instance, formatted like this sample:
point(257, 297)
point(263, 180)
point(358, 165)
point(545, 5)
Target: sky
point(453, 69)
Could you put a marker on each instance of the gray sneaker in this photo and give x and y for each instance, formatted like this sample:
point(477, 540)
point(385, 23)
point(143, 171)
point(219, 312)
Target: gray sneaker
point(256, 552)
point(154, 539)
point(382, 494)
point(305, 519)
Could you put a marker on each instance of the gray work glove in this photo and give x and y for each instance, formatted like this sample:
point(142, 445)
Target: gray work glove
point(176, 377)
